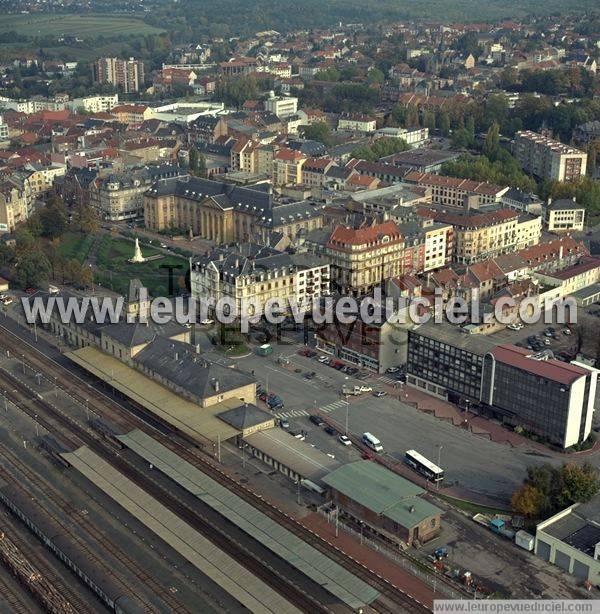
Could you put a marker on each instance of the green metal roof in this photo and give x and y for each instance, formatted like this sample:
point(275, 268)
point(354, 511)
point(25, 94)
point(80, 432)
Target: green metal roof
point(382, 491)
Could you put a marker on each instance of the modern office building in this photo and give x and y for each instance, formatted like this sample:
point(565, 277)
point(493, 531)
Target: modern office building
point(564, 215)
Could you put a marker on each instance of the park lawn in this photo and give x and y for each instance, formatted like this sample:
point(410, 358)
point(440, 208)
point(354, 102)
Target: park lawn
point(113, 270)
point(74, 245)
point(83, 26)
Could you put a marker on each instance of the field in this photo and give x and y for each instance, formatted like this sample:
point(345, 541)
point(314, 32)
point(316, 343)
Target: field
point(75, 245)
point(84, 26)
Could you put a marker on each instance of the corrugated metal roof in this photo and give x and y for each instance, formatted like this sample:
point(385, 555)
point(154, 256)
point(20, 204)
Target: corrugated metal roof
point(241, 584)
point(314, 564)
point(383, 492)
point(200, 423)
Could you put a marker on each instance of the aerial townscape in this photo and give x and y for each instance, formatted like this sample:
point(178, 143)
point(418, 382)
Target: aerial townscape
point(299, 306)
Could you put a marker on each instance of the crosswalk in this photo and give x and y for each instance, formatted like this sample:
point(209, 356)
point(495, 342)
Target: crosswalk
point(298, 413)
point(387, 380)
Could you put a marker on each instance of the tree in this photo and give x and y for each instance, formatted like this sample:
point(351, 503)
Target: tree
point(443, 123)
point(53, 218)
point(428, 120)
point(319, 131)
point(85, 219)
point(526, 501)
point(31, 270)
point(491, 146)
point(461, 139)
point(575, 484)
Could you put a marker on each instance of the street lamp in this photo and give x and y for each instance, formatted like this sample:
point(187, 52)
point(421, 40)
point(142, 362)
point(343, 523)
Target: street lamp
point(437, 484)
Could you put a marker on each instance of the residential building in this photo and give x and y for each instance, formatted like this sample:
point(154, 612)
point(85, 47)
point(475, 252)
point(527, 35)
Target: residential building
point(357, 123)
point(3, 130)
point(132, 114)
point(413, 136)
point(547, 158)
point(127, 75)
point(250, 275)
point(120, 196)
point(13, 205)
point(422, 159)
point(452, 191)
point(384, 502)
point(282, 106)
point(570, 540)
point(287, 167)
point(361, 258)
point(101, 103)
point(564, 215)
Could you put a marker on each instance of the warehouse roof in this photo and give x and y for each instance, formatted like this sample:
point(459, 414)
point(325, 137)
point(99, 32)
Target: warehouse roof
point(383, 492)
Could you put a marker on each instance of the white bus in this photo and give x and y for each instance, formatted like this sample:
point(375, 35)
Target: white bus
point(372, 442)
point(425, 467)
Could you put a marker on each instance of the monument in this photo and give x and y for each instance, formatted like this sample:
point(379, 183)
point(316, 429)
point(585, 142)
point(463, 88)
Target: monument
point(137, 254)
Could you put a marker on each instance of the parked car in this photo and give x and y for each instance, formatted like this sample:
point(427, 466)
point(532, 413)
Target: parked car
point(344, 439)
point(566, 331)
point(330, 430)
point(323, 359)
point(309, 374)
point(284, 424)
point(379, 393)
point(317, 420)
point(365, 388)
point(392, 369)
point(207, 322)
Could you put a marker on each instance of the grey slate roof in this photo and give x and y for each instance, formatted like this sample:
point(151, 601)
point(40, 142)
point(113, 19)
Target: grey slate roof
point(245, 416)
point(179, 364)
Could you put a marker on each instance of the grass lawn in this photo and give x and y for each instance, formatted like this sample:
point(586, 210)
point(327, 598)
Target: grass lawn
point(84, 26)
point(114, 272)
point(75, 245)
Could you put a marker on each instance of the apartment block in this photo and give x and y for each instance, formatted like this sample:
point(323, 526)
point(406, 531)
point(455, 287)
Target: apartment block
point(547, 158)
point(94, 104)
point(282, 106)
point(565, 215)
point(127, 75)
point(13, 205)
point(452, 191)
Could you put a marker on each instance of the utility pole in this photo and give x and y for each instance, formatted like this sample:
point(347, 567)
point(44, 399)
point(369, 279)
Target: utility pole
point(219, 448)
point(437, 483)
point(244, 455)
point(298, 491)
point(87, 411)
point(5, 401)
point(347, 406)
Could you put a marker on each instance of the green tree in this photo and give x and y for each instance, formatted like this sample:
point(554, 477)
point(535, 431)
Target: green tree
point(85, 219)
point(31, 270)
point(491, 146)
point(319, 131)
point(428, 120)
point(53, 218)
point(443, 123)
point(461, 139)
point(575, 484)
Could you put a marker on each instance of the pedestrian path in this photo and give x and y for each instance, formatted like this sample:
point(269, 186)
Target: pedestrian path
point(297, 413)
point(388, 380)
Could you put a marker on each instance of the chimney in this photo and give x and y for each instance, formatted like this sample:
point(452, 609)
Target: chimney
point(216, 385)
point(411, 509)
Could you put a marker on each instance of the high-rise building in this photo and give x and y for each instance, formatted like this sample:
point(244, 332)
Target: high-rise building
point(127, 75)
point(547, 158)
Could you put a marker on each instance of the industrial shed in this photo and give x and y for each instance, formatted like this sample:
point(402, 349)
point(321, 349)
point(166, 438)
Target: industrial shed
point(387, 503)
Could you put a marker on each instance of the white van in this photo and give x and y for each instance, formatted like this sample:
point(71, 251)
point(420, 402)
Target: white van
point(372, 442)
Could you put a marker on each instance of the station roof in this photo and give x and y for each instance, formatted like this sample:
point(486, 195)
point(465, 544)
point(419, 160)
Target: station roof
point(298, 553)
point(200, 423)
point(293, 453)
point(220, 567)
point(382, 491)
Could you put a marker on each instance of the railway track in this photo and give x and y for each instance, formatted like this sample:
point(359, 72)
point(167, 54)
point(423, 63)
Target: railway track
point(74, 434)
point(12, 598)
point(51, 493)
point(111, 410)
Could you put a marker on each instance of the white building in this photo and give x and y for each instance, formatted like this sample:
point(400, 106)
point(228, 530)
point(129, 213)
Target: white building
point(357, 123)
point(282, 106)
point(565, 215)
point(94, 104)
point(3, 130)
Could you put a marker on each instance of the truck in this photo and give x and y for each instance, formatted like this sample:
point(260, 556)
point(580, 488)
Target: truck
point(351, 390)
point(524, 540)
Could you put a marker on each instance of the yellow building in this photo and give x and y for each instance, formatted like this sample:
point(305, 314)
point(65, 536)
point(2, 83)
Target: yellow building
point(287, 167)
point(225, 213)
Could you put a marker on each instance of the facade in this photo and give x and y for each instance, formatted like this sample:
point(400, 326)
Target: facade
point(362, 258)
point(14, 205)
point(553, 399)
point(388, 504)
point(127, 75)
point(120, 196)
point(101, 103)
point(3, 130)
point(547, 158)
point(565, 215)
point(132, 114)
point(282, 106)
point(287, 167)
point(254, 274)
point(357, 123)
point(452, 191)
point(226, 213)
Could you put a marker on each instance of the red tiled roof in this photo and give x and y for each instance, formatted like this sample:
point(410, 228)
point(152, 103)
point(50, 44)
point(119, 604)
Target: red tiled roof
point(468, 185)
point(555, 370)
point(343, 235)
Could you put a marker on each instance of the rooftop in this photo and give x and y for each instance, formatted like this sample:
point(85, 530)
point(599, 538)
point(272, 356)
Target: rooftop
point(383, 492)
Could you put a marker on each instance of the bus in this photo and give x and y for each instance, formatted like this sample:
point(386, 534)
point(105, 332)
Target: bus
point(372, 442)
point(264, 350)
point(425, 467)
